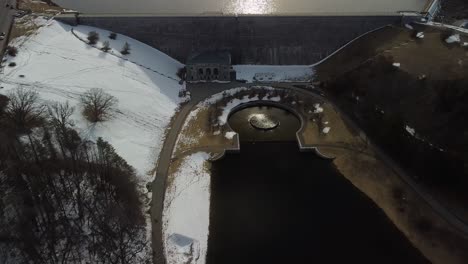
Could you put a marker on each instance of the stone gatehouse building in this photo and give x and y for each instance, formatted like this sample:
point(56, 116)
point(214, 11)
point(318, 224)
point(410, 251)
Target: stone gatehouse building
point(210, 66)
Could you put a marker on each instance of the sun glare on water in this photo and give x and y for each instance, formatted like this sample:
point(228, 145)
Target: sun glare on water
point(251, 6)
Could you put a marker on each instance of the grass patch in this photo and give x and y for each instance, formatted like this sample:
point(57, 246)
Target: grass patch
point(23, 27)
point(39, 7)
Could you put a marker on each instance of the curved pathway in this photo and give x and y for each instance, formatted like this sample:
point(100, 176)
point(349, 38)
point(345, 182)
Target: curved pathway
point(201, 92)
point(165, 158)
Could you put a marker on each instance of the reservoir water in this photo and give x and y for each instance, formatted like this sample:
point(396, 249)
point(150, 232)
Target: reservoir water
point(286, 7)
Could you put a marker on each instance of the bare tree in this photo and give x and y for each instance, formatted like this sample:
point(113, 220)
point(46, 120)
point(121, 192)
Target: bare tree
point(60, 120)
point(105, 46)
point(60, 113)
point(93, 37)
point(98, 105)
point(23, 111)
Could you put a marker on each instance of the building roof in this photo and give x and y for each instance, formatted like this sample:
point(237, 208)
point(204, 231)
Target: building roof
point(210, 57)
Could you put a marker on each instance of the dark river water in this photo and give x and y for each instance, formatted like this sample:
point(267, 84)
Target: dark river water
point(274, 204)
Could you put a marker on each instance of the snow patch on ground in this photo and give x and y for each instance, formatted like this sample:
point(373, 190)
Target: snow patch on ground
point(233, 103)
point(236, 102)
point(396, 64)
point(413, 133)
point(274, 73)
point(437, 24)
point(318, 109)
point(230, 135)
point(60, 68)
point(453, 39)
point(420, 35)
point(410, 130)
point(186, 212)
point(326, 130)
point(226, 110)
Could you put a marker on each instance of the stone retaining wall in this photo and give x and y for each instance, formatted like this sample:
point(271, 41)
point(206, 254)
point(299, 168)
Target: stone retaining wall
point(271, 40)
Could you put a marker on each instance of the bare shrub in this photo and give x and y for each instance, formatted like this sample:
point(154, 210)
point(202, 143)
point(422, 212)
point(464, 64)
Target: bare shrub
point(262, 93)
point(125, 49)
point(105, 46)
point(183, 93)
point(97, 105)
point(93, 37)
point(24, 111)
point(113, 35)
point(12, 51)
point(182, 73)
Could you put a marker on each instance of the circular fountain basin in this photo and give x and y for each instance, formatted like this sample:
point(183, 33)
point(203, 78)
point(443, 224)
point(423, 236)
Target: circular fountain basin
point(263, 121)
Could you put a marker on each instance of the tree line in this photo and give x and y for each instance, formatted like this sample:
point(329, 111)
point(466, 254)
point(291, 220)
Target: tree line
point(64, 199)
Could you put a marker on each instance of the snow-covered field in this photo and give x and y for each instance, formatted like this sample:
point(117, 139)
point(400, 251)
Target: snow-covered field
point(272, 73)
point(60, 67)
point(186, 212)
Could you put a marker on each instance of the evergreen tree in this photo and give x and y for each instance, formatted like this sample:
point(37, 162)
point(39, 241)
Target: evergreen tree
point(125, 49)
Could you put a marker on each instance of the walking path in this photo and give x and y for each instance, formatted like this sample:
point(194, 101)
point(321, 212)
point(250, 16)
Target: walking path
point(201, 92)
point(159, 184)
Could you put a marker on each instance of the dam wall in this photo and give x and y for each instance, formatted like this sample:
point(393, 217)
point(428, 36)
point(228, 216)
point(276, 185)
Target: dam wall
point(271, 40)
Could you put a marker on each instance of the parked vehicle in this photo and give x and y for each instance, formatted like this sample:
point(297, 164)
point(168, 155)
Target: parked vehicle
point(2, 37)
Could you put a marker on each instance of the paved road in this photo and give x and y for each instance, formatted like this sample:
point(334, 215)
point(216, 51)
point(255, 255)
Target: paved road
point(6, 19)
point(199, 93)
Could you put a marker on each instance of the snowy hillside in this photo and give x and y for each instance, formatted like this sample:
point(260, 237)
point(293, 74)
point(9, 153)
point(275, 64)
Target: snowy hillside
point(61, 67)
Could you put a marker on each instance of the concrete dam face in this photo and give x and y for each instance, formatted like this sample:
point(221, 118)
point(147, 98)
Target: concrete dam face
point(271, 40)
